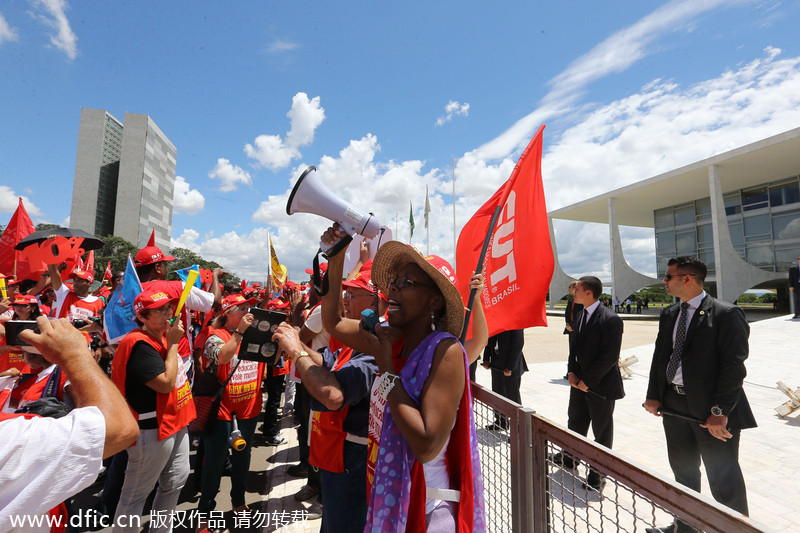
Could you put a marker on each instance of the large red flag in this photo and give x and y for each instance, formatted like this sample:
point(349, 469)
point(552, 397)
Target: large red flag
point(11, 262)
point(519, 260)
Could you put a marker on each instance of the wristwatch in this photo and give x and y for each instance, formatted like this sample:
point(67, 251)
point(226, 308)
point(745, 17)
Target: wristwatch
point(716, 410)
point(299, 354)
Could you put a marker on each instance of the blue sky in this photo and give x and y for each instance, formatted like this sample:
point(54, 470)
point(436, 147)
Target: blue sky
point(384, 99)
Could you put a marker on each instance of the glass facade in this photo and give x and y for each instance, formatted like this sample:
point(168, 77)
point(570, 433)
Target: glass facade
point(108, 177)
point(764, 224)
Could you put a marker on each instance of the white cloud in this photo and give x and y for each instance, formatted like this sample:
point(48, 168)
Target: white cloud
point(615, 54)
point(279, 45)
point(244, 255)
point(230, 175)
point(185, 199)
point(55, 17)
point(272, 152)
point(9, 201)
point(7, 33)
point(453, 109)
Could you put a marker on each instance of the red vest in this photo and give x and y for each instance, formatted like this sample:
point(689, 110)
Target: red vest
point(174, 409)
point(243, 394)
point(30, 389)
point(13, 360)
point(327, 436)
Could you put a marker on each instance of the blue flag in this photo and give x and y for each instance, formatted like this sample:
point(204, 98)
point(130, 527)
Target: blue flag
point(184, 274)
point(118, 319)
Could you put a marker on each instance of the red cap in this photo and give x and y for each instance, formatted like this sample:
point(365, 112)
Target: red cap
point(25, 299)
point(363, 280)
point(323, 267)
point(277, 304)
point(248, 291)
point(151, 299)
point(149, 255)
point(235, 299)
point(256, 285)
point(10, 280)
point(82, 274)
point(290, 284)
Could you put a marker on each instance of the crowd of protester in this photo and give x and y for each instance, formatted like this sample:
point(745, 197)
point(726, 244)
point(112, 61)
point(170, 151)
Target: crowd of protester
point(371, 366)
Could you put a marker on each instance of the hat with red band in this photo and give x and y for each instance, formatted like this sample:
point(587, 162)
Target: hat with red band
point(149, 255)
point(25, 299)
point(82, 274)
point(235, 299)
point(151, 299)
point(277, 304)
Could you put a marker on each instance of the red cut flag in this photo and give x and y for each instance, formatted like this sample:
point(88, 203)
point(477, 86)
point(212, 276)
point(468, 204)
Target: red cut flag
point(152, 240)
point(107, 274)
point(244, 284)
point(11, 262)
point(519, 260)
point(89, 267)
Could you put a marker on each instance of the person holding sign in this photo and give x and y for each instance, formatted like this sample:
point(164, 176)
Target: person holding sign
point(146, 369)
point(242, 399)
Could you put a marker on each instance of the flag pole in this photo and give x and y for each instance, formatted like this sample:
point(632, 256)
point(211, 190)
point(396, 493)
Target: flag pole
point(427, 225)
point(492, 224)
point(455, 237)
point(269, 265)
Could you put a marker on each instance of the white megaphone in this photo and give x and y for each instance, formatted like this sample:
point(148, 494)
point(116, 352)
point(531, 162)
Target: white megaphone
point(310, 195)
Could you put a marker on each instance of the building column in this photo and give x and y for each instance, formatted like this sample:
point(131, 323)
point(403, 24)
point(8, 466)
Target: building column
point(624, 279)
point(733, 274)
point(559, 283)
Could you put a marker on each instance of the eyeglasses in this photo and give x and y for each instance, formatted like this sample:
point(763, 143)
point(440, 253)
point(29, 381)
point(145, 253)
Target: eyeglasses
point(350, 295)
point(402, 282)
point(668, 277)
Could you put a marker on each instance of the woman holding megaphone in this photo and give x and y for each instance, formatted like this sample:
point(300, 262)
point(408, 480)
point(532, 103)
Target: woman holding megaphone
point(240, 406)
point(422, 431)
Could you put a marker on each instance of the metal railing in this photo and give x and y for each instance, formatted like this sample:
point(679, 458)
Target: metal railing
point(527, 488)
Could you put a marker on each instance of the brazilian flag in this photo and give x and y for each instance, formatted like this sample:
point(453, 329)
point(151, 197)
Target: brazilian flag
point(411, 219)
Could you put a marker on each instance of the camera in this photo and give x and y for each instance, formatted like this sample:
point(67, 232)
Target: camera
point(14, 328)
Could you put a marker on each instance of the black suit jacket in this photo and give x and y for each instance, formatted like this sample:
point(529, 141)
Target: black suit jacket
point(571, 313)
point(712, 361)
point(504, 352)
point(794, 278)
point(594, 353)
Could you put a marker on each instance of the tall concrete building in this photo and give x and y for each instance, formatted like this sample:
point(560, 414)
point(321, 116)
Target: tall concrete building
point(124, 178)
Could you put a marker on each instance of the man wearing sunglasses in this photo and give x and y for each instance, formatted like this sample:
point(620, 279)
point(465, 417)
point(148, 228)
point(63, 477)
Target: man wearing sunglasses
point(697, 372)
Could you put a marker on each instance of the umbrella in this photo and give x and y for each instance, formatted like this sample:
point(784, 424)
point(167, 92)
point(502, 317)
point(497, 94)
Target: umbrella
point(90, 242)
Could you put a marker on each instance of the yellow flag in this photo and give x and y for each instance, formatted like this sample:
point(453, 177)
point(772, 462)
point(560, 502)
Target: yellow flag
point(277, 270)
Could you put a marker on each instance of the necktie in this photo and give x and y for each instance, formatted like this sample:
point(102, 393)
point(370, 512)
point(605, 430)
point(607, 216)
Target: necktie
point(584, 320)
point(680, 340)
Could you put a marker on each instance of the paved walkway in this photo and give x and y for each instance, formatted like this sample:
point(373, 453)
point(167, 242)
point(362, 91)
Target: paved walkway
point(768, 454)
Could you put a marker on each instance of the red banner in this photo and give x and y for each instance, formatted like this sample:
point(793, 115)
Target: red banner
point(107, 274)
point(519, 260)
point(11, 261)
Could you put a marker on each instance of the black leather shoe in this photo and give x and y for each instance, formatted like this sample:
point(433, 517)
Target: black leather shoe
point(594, 483)
point(298, 470)
point(562, 460)
point(496, 427)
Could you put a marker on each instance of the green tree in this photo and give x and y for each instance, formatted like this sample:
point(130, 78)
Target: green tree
point(748, 298)
point(43, 226)
point(768, 297)
point(116, 250)
point(654, 294)
point(185, 258)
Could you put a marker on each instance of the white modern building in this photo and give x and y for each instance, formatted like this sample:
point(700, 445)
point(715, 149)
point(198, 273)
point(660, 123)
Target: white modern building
point(738, 211)
point(124, 178)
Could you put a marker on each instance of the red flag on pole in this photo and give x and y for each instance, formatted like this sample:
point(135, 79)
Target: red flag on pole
point(89, 267)
point(244, 284)
point(152, 240)
point(107, 274)
point(519, 260)
point(19, 227)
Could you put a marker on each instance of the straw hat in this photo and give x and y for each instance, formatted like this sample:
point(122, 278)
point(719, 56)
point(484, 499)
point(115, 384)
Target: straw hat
point(393, 254)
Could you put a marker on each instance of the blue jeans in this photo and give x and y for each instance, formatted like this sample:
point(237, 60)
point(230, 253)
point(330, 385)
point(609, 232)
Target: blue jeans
point(344, 496)
point(216, 449)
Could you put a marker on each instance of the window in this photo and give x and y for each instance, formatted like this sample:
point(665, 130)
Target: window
point(684, 215)
point(786, 226)
point(786, 193)
point(705, 234)
point(733, 204)
point(707, 257)
point(663, 217)
point(754, 198)
point(760, 255)
point(757, 228)
point(685, 243)
point(786, 257)
point(665, 242)
point(703, 209)
point(737, 233)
